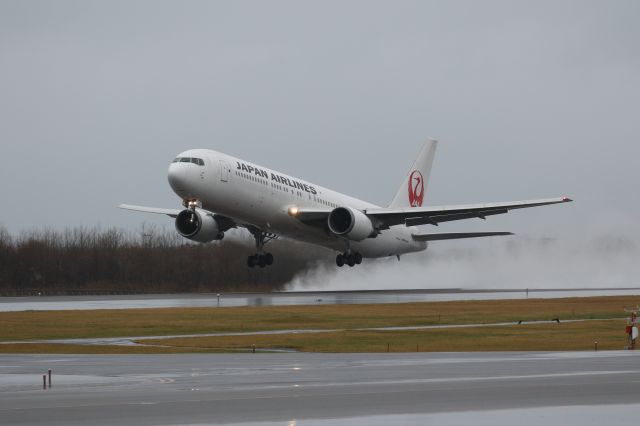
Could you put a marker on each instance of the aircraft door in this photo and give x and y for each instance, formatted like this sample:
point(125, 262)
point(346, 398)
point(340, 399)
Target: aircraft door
point(225, 170)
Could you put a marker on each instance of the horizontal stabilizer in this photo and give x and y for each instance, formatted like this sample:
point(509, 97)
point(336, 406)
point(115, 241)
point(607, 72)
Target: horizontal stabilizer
point(457, 235)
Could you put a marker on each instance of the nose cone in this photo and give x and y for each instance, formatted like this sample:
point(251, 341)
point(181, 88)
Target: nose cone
point(178, 178)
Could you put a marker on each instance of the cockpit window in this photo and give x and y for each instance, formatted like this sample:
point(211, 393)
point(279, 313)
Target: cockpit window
point(197, 161)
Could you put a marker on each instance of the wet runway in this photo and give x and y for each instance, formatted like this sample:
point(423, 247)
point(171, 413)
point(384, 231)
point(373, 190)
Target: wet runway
point(39, 303)
point(319, 389)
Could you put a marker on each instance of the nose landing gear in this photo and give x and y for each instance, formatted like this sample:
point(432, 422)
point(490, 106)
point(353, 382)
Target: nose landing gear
point(348, 258)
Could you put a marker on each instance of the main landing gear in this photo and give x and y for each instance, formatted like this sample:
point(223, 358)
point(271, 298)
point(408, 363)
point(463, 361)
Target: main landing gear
point(261, 258)
point(348, 258)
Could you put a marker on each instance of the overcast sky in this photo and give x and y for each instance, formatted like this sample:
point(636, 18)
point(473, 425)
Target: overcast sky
point(528, 99)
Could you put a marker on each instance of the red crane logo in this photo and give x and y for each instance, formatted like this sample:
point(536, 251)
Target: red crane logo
point(416, 189)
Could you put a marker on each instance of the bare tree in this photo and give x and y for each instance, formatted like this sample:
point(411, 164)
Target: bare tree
point(94, 260)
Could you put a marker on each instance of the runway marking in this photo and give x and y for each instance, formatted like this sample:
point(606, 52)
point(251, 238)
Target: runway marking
point(428, 381)
point(447, 380)
point(510, 377)
point(46, 361)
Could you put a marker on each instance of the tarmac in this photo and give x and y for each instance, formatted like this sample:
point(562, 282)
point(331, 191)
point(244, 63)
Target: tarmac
point(318, 389)
point(288, 298)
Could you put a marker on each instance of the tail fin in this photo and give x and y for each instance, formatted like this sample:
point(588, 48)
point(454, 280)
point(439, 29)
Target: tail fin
point(411, 193)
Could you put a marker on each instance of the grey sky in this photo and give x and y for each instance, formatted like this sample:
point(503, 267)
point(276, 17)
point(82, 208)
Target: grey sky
point(529, 99)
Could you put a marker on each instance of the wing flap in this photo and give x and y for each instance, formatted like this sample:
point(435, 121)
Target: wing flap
point(434, 215)
point(434, 220)
point(457, 235)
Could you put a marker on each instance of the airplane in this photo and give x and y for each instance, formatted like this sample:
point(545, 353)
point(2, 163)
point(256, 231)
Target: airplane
point(220, 192)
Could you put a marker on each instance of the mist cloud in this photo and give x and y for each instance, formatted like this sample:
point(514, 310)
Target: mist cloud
point(606, 261)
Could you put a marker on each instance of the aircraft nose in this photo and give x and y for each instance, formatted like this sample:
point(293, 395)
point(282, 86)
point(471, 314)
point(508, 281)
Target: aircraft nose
point(177, 176)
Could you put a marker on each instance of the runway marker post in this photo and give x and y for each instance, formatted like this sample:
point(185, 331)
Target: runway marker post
point(632, 327)
point(596, 345)
point(49, 377)
point(44, 381)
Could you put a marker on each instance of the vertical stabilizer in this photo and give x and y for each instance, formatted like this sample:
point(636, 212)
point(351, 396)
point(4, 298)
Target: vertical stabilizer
point(414, 187)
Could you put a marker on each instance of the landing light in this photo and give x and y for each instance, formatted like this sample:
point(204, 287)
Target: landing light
point(293, 211)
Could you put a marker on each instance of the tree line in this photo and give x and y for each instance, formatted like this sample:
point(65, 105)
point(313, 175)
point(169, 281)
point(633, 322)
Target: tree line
point(111, 261)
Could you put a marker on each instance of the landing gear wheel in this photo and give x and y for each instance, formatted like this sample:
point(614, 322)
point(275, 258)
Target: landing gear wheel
point(350, 259)
point(260, 259)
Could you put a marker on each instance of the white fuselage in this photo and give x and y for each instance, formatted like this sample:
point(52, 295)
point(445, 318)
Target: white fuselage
point(254, 195)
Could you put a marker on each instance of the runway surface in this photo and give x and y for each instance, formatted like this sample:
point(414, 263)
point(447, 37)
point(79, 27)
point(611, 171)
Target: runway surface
point(319, 389)
point(40, 303)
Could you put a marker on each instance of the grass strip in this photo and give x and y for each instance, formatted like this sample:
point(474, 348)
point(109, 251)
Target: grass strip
point(58, 348)
point(533, 337)
point(46, 325)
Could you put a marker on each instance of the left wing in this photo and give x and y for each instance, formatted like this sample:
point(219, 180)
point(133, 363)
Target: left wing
point(457, 235)
point(411, 216)
point(383, 218)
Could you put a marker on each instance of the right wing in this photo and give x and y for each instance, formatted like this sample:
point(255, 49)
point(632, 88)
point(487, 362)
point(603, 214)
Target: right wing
point(224, 223)
point(169, 212)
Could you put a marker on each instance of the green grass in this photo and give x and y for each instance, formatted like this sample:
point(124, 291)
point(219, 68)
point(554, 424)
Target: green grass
point(23, 327)
point(30, 325)
point(537, 337)
point(56, 348)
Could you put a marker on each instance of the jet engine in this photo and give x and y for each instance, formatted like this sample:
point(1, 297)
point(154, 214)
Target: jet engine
point(350, 223)
point(197, 225)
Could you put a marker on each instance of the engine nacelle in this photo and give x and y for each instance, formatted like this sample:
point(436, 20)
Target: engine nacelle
point(198, 226)
point(350, 223)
